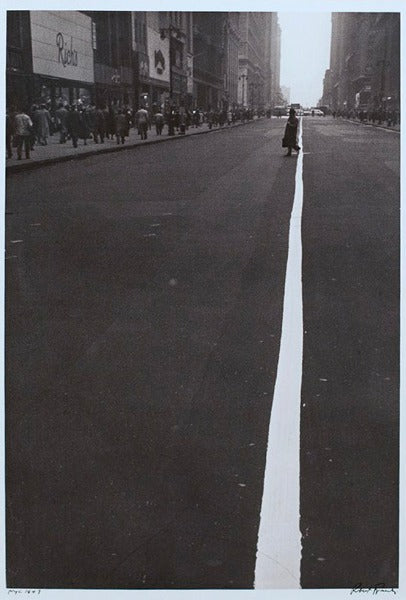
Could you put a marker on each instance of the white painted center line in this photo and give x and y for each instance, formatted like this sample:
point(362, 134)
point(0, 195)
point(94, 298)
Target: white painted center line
point(279, 540)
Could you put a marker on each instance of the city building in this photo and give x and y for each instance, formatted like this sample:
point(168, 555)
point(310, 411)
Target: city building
point(151, 59)
point(364, 69)
point(232, 44)
point(209, 89)
point(19, 80)
point(285, 92)
point(252, 67)
point(50, 57)
point(275, 96)
point(216, 60)
point(113, 68)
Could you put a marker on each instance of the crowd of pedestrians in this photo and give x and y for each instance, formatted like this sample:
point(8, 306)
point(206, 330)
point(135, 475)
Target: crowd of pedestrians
point(79, 124)
point(376, 116)
point(73, 123)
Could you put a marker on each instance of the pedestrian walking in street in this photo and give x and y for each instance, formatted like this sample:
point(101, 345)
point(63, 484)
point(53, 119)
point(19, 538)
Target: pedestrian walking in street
point(121, 126)
point(61, 115)
point(188, 119)
point(9, 134)
point(141, 120)
point(182, 120)
point(109, 121)
point(85, 130)
point(74, 124)
point(100, 125)
point(159, 123)
point(33, 136)
point(42, 123)
point(196, 117)
point(290, 138)
point(129, 116)
point(23, 129)
point(90, 119)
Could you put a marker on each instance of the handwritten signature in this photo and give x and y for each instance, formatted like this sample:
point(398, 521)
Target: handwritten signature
point(375, 589)
point(14, 592)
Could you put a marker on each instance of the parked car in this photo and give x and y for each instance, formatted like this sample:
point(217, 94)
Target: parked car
point(317, 112)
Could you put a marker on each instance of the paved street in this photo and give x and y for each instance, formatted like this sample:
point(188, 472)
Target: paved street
point(56, 152)
point(144, 306)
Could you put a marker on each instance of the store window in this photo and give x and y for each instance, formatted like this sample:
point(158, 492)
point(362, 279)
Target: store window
point(82, 96)
point(45, 95)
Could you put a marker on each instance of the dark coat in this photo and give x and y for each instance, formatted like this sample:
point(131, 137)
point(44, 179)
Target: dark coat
point(62, 117)
point(100, 121)
point(74, 123)
point(110, 120)
point(121, 125)
point(85, 131)
point(90, 118)
point(290, 137)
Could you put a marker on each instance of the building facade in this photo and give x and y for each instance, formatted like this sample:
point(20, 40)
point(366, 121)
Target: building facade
point(275, 95)
point(259, 60)
point(364, 73)
point(232, 44)
point(113, 57)
point(285, 93)
point(50, 57)
point(210, 60)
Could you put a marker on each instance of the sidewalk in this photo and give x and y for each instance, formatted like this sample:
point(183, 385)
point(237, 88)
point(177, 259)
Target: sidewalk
point(395, 128)
point(55, 152)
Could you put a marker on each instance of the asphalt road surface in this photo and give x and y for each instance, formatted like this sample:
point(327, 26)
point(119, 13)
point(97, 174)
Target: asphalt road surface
point(144, 299)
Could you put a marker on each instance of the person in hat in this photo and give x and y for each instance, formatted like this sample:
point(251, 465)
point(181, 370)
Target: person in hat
point(290, 137)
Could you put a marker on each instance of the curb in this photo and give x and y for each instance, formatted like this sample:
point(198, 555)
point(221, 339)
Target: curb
point(373, 125)
point(30, 166)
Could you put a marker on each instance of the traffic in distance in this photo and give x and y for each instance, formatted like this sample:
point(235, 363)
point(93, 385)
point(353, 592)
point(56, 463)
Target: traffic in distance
point(283, 111)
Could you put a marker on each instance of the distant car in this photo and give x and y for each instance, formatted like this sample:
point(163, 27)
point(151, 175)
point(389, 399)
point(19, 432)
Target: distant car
point(317, 112)
point(307, 112)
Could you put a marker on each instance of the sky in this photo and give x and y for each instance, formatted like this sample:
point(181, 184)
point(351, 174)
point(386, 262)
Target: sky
point(305, 54)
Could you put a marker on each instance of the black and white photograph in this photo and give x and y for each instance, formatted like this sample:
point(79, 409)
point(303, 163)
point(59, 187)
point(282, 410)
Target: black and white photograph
point(202, 299)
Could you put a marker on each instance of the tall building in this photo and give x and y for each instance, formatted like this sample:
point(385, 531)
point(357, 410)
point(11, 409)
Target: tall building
point(364, 69)
point(285, 92)
point(209, 69)
point(212, 60)
point(232, 43)
point(19, 79)
point(275, 65)
point(112, 57)
point(162, 46)
point(255, 58)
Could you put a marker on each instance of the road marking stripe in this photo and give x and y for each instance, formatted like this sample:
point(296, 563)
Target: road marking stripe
point(279, 540)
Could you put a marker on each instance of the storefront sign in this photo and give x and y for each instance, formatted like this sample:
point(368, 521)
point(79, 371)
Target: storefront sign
point(66, 55)
point(62, 45)
point(158, 54)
